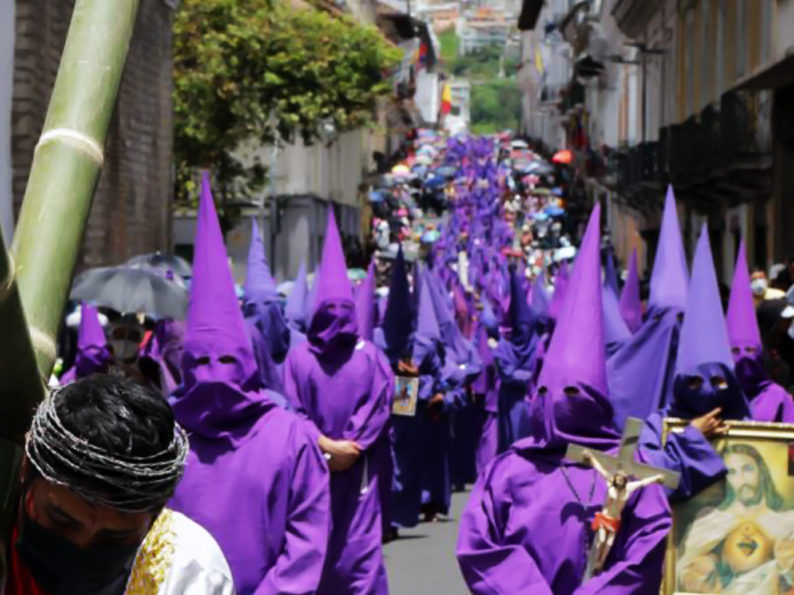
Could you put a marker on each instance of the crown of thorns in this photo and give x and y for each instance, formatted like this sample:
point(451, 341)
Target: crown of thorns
point(124, 483)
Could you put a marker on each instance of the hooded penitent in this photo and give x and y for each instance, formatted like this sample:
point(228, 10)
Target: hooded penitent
point(398, 318)
point(270, 335)
point(630, 302)
point(93, 355)
point(768, 401)
point(616, 332)
point(255, 478)
point(515, 361)
point(161, 359)
point(532, 485)
point(704, 380)
point(641, 372)
point(343, 387)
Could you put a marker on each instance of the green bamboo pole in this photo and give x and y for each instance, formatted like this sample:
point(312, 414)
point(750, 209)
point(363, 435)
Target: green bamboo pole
point(66, 166)
point(67, 163)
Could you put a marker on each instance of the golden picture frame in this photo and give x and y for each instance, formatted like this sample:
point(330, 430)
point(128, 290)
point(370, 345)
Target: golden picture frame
point(737, 536)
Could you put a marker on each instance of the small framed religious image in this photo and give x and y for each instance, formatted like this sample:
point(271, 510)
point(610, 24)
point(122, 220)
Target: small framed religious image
point(406, 395)
point(737, 536)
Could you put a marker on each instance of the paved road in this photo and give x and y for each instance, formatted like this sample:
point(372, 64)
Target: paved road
point(422, 561)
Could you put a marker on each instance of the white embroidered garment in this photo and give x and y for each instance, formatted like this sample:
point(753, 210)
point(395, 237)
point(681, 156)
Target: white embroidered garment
point(179, 557)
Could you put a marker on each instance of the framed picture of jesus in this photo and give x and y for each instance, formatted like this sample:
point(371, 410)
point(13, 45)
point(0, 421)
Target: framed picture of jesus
point(737, 536)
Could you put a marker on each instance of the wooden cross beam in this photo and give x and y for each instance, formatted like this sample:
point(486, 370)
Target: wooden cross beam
point(625, 461)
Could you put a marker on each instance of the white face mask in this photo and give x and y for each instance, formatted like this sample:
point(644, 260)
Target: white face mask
point(758, 287)
point(125, 339)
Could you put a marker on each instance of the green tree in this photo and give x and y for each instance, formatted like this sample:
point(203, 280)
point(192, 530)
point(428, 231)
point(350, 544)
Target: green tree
point(260, 70)
point(495, 106)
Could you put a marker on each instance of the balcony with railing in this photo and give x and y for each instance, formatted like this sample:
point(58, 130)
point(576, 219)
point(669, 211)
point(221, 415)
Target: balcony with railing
point(745, 118)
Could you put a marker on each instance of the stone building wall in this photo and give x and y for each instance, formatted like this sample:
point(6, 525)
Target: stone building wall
point(131, 213)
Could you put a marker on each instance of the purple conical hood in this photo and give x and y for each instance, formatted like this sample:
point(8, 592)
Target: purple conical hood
point(630, 303)
point(572, 404)
point(91, 334)
point(427, 327)
point(214, 315)
point(295, 310)
point(560, 290)
point(704, 335)
point(365, 304)
point(398, 317)
point(222, 391)
point(742, 321)
point(615, 330)
point(576, 354)
point(259, 284)
point(333, 284)
point(670, 279)
point(541, 301)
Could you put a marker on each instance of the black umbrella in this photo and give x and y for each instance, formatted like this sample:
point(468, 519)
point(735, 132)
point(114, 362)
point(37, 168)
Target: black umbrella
point(129, 290)
point(163, 262)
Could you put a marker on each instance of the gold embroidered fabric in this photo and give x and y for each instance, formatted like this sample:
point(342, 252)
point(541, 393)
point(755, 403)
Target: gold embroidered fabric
point(154, 558)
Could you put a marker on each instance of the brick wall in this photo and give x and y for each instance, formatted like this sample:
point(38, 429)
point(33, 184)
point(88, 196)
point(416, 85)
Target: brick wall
point(131, 213)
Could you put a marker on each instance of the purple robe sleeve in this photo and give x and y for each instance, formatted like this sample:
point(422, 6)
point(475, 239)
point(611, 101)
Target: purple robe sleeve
point(292, 394)
point(773, 404)
point(371, 417)
point(491, 565)
point(635, 563)
point(688, 453)
point(298, 569)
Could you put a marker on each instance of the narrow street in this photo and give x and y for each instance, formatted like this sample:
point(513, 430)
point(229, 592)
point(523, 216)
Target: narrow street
point(422, 561)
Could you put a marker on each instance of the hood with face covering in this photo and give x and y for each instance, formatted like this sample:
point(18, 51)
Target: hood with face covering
point(93, 355)
point(398, 317)
point(333, 331)
point(743, 331)
point(704, 374)
point(262, 309)
point(222, 394)
point(571, 404)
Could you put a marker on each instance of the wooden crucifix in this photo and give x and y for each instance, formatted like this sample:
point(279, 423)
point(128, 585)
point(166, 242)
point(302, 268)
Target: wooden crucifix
point(623, 476)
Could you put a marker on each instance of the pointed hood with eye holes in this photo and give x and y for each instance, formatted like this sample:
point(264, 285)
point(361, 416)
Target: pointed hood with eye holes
point(670, 279)
point(704, 373)
point(262, 309)
point(93, 355)
point(399, 313)
point(743, 331)
point(221, 395)
point(630, 301)
point(572, 403)
point(333, 330)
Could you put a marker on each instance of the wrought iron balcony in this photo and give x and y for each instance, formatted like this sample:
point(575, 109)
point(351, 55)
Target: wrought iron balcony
point(745, 118)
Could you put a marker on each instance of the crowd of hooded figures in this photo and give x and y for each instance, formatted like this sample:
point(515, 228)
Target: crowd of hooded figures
point(300, 467)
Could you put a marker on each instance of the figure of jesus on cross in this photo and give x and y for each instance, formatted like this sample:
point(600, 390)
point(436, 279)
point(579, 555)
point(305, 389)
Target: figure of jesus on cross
point(617, 472)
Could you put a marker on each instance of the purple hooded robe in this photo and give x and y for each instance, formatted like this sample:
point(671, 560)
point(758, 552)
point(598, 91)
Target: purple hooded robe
point(515, 363)
point(526, 527)
point(768, 400)
point(270, 335)
point(255, 478)
point(161, 359)
point(704, 354)
point(640, 372)
point(93, 355)
point(344, 386)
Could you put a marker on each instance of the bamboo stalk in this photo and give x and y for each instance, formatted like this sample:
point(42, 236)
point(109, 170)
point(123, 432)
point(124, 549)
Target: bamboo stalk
point(67, 163)
point(66, 166)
